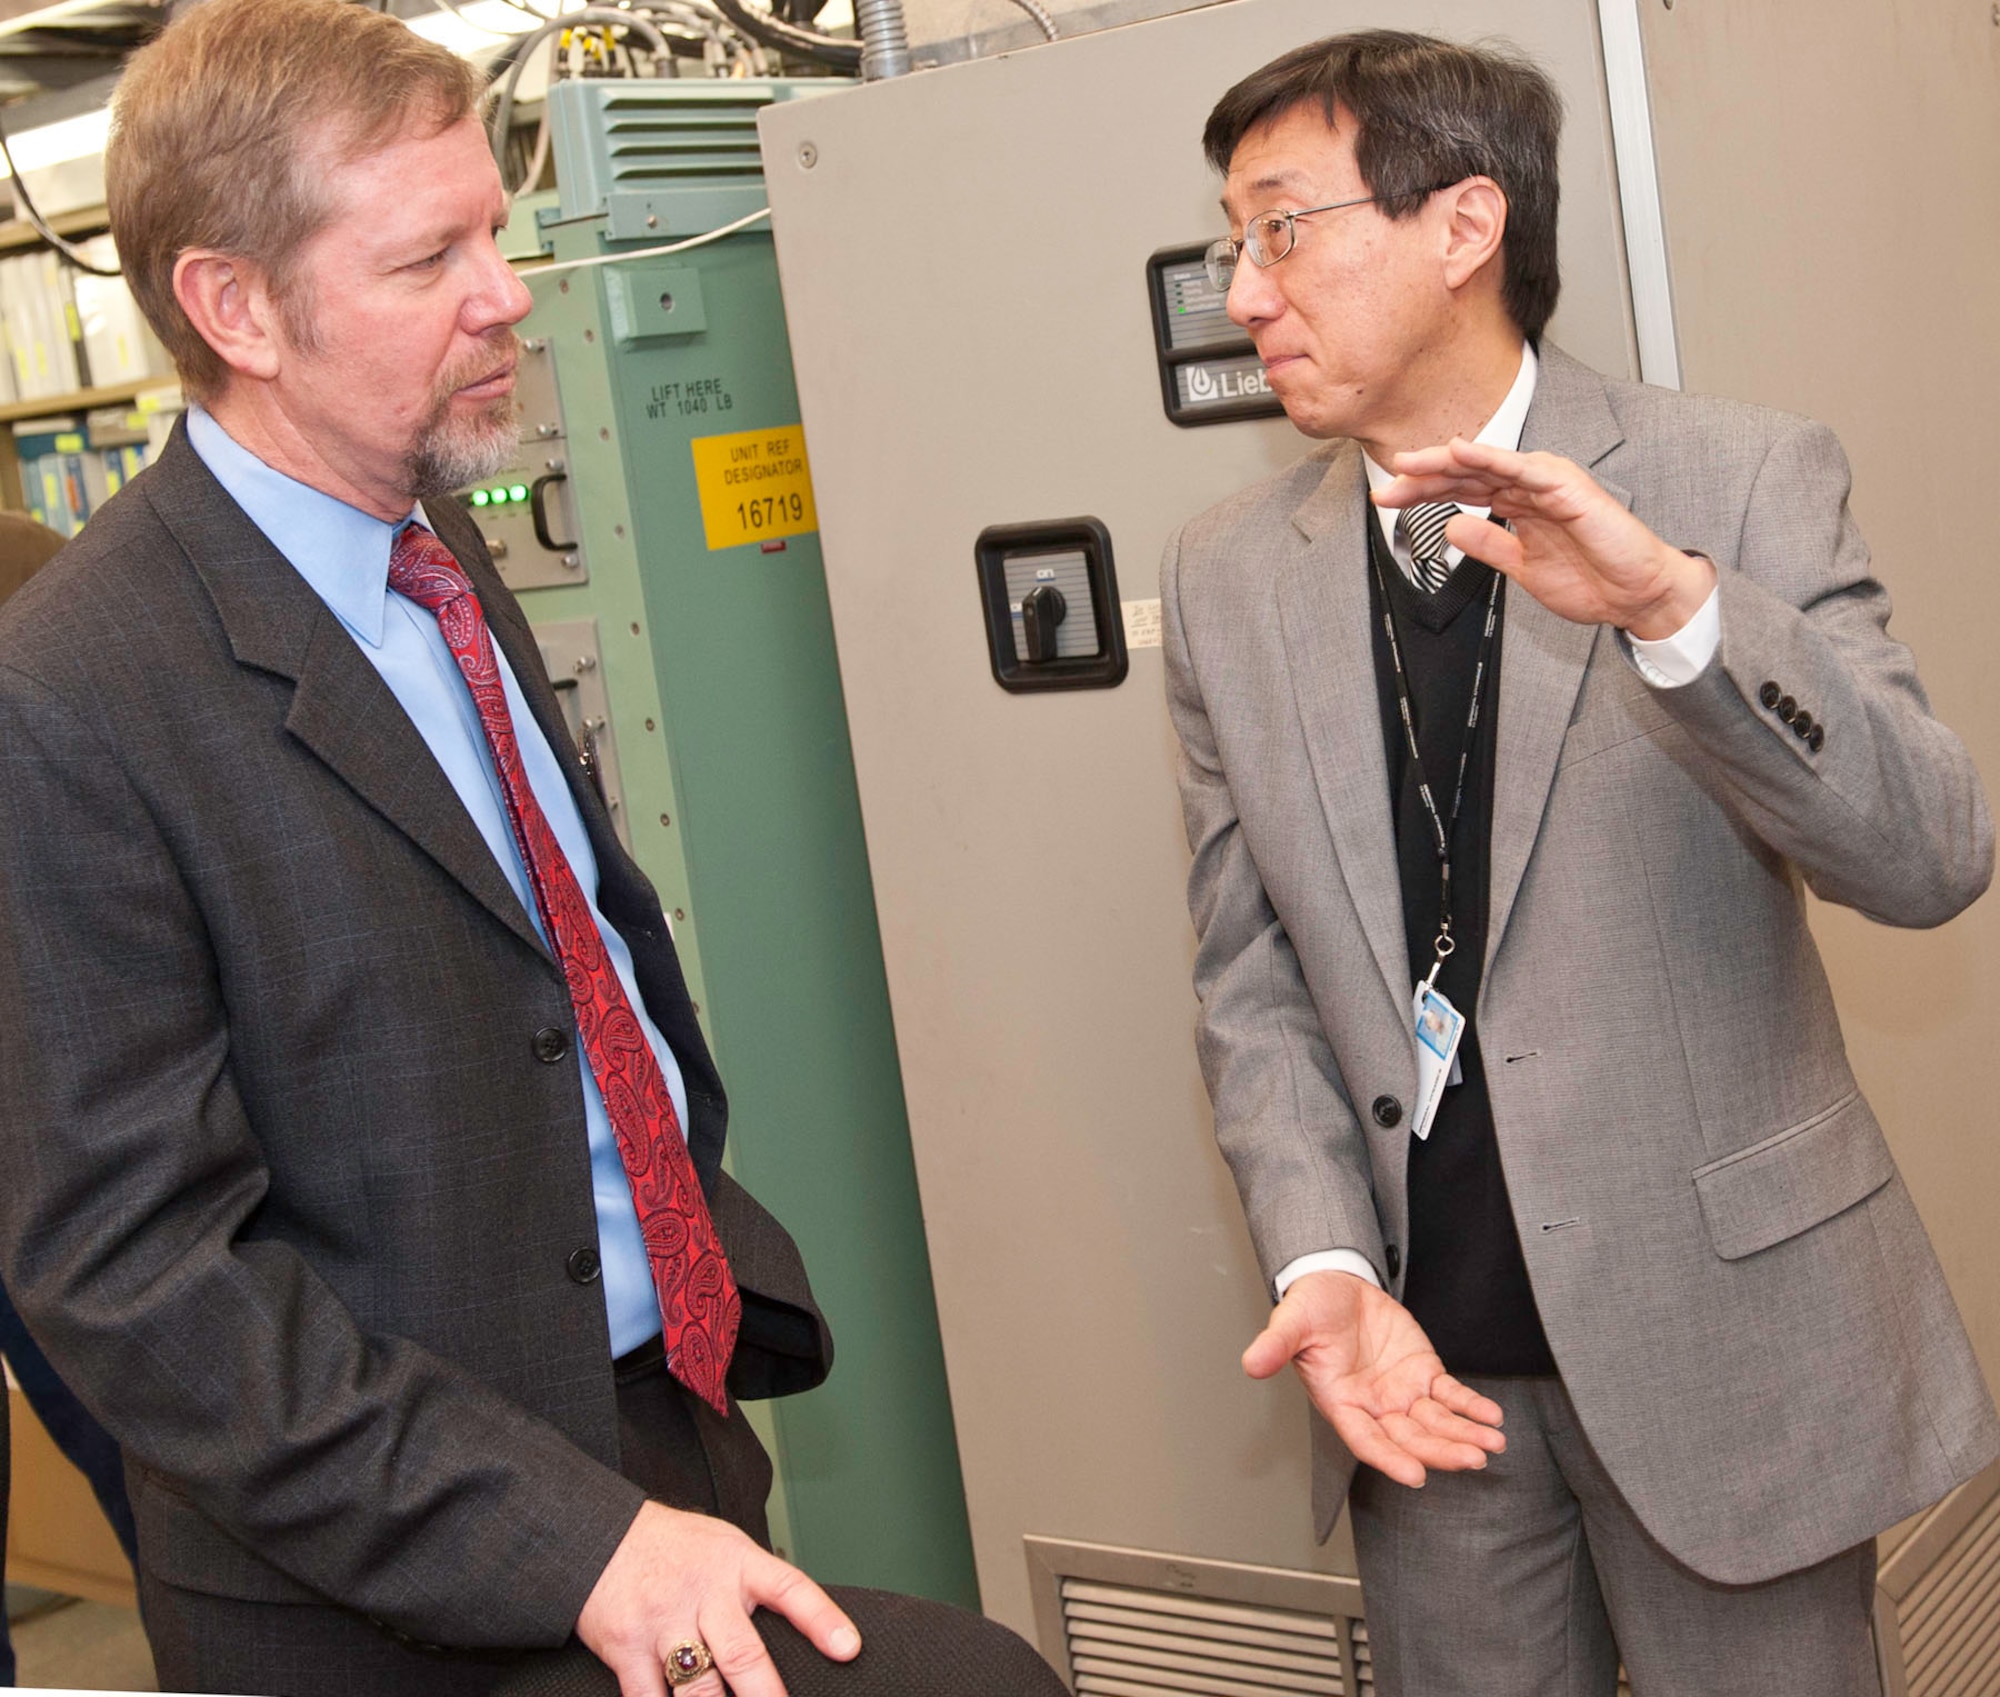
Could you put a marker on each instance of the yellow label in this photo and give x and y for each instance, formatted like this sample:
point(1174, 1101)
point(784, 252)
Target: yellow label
point(75, 323)
point(69, 444)
point(755, 486)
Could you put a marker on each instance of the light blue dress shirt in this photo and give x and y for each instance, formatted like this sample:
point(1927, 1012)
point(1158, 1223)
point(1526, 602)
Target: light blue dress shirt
point(343, 553)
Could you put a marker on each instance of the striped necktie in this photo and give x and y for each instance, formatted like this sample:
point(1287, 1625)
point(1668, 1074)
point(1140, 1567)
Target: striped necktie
point(699, 1305)
point(1423, 534)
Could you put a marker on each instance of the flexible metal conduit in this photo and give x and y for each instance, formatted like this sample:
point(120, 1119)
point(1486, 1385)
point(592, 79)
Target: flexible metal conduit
point(885, 41)
point(1043, 22)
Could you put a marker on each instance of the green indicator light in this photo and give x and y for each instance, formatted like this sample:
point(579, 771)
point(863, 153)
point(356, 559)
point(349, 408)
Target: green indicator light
point(518, 493)
point(479, 497)
point(496, 496)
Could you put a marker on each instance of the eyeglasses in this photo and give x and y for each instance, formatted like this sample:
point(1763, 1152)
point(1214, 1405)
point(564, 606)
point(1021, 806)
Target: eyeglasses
point(1267, 238)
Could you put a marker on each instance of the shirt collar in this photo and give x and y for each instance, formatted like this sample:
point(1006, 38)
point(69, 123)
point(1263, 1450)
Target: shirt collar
point(342, 552)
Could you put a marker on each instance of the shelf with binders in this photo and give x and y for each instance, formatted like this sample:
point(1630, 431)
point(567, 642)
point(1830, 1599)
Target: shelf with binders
point(61, 466)
point(69, 330)
point(86, 391)
point(127, 394)
point(17, 233)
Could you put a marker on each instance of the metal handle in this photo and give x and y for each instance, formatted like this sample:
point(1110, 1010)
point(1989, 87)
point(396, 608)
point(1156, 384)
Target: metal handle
point(1042, 609)
point(538, 510)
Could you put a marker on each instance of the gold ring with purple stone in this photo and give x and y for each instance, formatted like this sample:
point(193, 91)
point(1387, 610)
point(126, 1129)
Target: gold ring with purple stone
point(687, 1661)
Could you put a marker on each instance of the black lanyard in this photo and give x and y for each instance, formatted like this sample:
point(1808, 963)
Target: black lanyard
point(1442, 829)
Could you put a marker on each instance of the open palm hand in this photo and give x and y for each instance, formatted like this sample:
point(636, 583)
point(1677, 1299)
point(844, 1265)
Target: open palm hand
point(1371, 1371)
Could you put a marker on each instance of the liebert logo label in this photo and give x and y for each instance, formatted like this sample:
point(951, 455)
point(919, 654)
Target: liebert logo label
point(1217, 382)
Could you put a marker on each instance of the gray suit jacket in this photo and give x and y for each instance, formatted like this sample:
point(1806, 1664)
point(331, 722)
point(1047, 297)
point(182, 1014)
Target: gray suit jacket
point(291, 1187)
point(1739, 1295)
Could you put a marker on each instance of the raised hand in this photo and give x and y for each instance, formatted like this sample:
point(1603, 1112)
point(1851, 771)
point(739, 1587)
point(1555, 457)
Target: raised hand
point(1371, 1371)
point(677, 1577)
point(1573, 547)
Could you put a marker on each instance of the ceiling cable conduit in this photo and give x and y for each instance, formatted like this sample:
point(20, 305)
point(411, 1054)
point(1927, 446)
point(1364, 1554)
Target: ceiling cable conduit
point(518, 55)
point(834, 51)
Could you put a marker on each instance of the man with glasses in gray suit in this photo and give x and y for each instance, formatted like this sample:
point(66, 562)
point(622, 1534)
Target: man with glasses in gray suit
point(1512, 723)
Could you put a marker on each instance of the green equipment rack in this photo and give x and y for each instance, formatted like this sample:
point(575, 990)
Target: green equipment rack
point(688, 601)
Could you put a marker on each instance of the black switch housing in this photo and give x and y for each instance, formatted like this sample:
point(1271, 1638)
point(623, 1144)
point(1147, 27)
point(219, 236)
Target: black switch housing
point(1027, 656)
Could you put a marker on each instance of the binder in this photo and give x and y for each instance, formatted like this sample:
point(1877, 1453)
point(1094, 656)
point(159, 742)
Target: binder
point(118, 344)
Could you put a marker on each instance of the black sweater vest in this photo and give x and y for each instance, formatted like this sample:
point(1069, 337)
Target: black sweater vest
point(1467, 1284)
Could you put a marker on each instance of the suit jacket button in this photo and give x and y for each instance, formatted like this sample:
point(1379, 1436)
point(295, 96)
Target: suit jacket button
point(1802, 726)
point(550, 1044)
point(1787, 709)
point(1817, 740)
point(1769, 694)
point(1387, 1111)
point(583, 1266)
point(1394, 1257)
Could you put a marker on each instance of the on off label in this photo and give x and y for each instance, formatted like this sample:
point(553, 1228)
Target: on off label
point(754, 485)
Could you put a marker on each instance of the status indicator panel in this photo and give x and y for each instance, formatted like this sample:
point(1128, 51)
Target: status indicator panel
point(1209, 371)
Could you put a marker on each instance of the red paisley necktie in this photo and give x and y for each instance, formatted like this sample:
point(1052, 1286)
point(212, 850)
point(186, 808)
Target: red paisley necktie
point(699, 1305)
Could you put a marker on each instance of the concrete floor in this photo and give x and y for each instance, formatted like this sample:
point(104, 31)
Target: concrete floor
point(65, 1644)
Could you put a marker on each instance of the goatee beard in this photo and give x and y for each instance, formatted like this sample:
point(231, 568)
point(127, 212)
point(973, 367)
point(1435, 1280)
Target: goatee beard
point(454, 449)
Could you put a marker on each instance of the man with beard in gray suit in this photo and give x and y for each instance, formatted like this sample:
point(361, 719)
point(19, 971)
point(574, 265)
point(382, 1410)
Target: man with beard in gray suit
point(362, 1147)
point(1502, 788)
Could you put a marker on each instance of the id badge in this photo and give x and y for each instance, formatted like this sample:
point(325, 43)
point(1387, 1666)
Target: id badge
point(1439, 1028)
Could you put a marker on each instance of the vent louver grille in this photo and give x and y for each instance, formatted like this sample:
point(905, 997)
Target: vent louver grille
point(1950, 1616)
point(1125, 1642)
point(652, 141)
point(662, 158)
point(1141, 1623)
